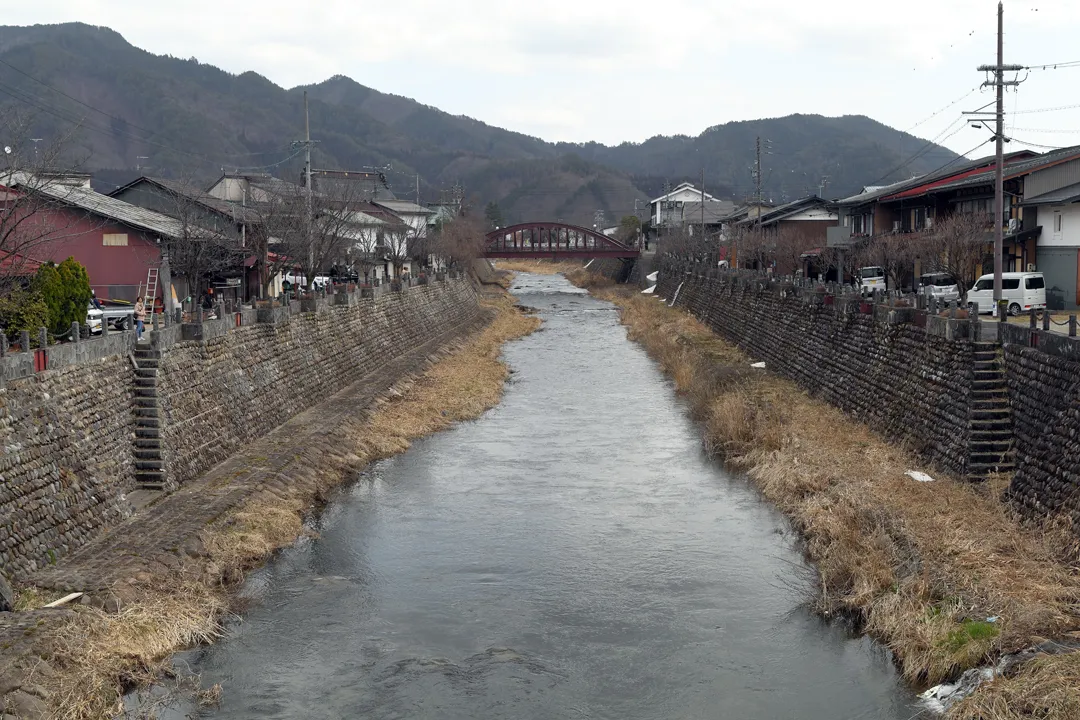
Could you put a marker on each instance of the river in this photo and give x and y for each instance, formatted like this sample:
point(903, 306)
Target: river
point(570, 554)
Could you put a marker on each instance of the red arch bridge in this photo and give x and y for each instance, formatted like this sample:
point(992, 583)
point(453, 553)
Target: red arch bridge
point(553, 241)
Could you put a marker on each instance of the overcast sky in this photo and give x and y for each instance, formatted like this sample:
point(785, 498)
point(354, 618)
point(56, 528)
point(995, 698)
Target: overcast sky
point(625, 70)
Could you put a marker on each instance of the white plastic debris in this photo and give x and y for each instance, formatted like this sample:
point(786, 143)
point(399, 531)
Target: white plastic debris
point(920, 476)
point(758, 365)
point(651, 277)
point(649, 290)
point(589, 263)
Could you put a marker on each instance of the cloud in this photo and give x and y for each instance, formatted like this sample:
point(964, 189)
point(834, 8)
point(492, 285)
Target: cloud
point(614, 70)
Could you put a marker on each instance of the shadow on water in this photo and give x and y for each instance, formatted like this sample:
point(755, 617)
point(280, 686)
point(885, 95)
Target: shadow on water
point(571, 553)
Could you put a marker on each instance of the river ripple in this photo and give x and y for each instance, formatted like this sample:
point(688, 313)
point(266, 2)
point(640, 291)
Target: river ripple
point(571, 554)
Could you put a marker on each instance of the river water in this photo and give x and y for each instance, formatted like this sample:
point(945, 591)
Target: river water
point(570, 554)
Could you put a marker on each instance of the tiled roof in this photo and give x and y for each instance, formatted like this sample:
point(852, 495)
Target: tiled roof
point(234, 211)
point(107, 207)
point(1015, 169)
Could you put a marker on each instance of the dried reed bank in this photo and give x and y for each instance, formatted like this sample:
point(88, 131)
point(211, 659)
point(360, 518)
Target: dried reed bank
point(940, 572)
point(96, 655)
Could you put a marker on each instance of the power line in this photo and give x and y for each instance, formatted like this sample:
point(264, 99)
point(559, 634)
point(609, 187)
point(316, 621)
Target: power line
point(111, 117)
point(938, 112)
point(1054, 66)
point(1037, 145)
point(1049, 109)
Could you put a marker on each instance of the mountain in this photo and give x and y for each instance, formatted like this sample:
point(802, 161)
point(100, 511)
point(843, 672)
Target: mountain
point(126, 107)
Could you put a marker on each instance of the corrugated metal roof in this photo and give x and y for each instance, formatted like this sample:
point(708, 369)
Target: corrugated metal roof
point(715, 211)
point(1014, 169)
point(118, 210)
point(1067, 194)
point(786, 210)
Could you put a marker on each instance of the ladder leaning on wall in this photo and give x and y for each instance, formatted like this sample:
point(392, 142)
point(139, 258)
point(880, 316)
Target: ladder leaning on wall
point(150, 298)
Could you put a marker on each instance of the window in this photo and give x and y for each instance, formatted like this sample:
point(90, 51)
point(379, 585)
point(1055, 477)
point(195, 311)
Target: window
point(1057, 222)
point(1034, 283)
point(114, 240)
point(985, 284)
point(918, 218)
point(1008, 283)
point(871, 272)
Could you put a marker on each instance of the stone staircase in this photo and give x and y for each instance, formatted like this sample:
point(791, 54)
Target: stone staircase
point(149, 462)
point(991, 448)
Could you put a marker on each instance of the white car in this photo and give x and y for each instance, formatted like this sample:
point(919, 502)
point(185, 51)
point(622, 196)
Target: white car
point(1021, 290)
point(871, 278)
point(298, 280)
point(93, 319)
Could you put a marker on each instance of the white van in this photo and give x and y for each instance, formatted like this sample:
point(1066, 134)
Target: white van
point(1022, 290)
point(871, 279)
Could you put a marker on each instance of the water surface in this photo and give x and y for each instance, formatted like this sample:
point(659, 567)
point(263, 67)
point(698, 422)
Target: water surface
point(571, 554)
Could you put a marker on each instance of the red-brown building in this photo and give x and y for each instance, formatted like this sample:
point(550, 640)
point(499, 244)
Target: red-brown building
point(117, 242)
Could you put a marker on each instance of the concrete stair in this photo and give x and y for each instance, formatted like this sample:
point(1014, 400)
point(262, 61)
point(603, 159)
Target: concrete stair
point(991, 446)
point(149, 461)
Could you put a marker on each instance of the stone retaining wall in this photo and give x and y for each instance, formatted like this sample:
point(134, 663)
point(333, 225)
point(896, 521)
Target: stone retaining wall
point(238, 383)
point(66, 459)
point(67, 433)
point(1044, 391)
point(907, 376)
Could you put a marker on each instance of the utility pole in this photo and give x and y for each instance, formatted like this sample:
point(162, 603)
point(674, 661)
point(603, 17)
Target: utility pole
point(702, 205)
point(757, 189)
point(999, 83)
point(138, 165)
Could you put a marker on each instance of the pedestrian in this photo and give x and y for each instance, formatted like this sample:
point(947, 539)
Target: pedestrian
point(94, 301)
point(140, 317)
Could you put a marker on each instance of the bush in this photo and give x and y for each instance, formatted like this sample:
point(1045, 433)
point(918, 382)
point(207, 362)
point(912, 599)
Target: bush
point(66, 291)
point(23, 310)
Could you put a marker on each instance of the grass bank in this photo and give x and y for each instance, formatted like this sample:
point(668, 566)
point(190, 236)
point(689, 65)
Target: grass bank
point(940, 572)
point(95, 655)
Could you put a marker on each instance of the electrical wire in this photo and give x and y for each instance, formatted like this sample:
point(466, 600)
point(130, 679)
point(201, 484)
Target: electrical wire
point(1049, 109)
point(938, 112)
point(111, 117)
point(1054, 66)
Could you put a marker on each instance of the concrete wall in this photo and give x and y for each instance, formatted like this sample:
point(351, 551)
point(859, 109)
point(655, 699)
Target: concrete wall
point(908, 377)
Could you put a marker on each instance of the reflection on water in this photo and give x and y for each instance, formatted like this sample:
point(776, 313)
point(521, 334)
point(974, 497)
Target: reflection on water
point(571, 554)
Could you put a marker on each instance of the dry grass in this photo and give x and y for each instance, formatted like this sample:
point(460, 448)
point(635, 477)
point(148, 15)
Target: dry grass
point(97, 655)
point(1046, 687)
point(540, 267)
point(923, 565)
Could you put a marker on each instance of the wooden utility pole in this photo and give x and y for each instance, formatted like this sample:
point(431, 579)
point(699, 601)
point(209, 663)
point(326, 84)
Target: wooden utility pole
point(757, 191)
point(703, 204)
point(999, 69)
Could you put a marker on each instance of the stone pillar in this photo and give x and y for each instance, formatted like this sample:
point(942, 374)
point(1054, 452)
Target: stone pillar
point(75, 332)
point(104, 326)
point(154, 322)
point(24, 340)
point(198, 314)
point(178, 315)
point(3, 344)
point(1072, 326)
point(1031, 319)
point(43, 338)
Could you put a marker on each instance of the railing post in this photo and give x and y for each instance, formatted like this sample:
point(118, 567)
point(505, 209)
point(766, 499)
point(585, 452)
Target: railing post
point(952, 310)
point(1002, 311)
point(1072, 326)
point(43, 338)
point(75, 332)
point(3, 344)
point(1031, 319)
point(24, 341)
point(1046, 320)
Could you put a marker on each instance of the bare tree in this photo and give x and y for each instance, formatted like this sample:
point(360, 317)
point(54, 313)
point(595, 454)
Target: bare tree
point(894, 252)
point(459, 242)
point(789, 244)
point(201, 247)
point(32, 216)
point(957, 246)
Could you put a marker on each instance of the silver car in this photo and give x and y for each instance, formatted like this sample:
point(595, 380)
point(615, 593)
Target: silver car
point(940, 285)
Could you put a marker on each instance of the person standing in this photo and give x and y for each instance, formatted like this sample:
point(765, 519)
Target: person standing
point(140, 317)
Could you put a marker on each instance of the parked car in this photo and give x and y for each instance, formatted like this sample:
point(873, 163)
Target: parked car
point(871, 278)
point(93, 318)
point(296, 279)
point(1022, 290)
point(940, 285)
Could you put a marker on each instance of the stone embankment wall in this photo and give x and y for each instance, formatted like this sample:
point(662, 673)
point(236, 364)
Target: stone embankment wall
point(905, 374)
point(219, 392)
point(1043, 372)
point(67, 432)
point(65, 459)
